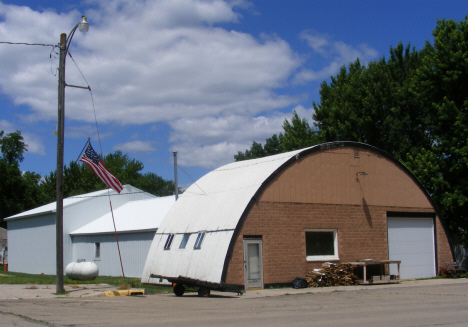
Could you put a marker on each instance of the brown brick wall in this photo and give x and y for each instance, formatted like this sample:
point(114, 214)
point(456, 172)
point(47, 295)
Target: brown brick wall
point(362, 234)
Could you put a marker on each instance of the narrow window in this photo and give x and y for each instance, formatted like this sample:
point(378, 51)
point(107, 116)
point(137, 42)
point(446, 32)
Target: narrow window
point(184, 241)
point(97, 251)
point(321, 245)
point(199, 240)
point(170, 237)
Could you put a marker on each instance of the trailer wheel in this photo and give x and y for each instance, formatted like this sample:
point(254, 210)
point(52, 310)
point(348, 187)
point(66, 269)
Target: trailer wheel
point(203, 291)
point(179, 289)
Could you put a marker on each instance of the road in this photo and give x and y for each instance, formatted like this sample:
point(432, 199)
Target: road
point(395, 305)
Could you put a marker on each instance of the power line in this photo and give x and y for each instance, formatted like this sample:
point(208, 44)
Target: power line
point(22, 43)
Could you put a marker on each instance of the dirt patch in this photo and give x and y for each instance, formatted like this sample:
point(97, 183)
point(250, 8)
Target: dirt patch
point(3, 275)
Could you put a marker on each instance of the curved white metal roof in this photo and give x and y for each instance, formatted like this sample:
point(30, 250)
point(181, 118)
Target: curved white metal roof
point(217, 200)
point(138, 215)
point(214, 204)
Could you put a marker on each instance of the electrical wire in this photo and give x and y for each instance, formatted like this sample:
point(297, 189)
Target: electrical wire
point(92, 101)
point(22, 43)
point(192, 179)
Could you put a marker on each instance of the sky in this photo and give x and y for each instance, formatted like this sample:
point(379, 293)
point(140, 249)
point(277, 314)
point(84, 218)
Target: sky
point(204, 78)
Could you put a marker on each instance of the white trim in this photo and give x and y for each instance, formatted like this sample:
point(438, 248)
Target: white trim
point(334, 257)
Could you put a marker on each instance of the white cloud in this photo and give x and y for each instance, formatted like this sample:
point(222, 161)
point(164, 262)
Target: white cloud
point(161, 63)
point(159, 60)
point(6, 126)
point(33, 141)
point(135, 147)
point(202, 142)
point(338, 52)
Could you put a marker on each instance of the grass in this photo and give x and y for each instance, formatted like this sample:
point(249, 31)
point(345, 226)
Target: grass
point(7, 277)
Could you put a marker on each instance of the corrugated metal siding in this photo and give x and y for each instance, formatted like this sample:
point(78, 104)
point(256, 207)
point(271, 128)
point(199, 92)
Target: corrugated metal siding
point(134, 249)
point(82, 213)
point(31, 245)
point(205, 263)
point(32, 249)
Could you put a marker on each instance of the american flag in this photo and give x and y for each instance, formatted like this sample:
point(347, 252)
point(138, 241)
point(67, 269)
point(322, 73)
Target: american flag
point(97, 166)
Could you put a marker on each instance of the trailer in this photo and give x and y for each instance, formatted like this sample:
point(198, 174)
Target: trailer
point(180, 283)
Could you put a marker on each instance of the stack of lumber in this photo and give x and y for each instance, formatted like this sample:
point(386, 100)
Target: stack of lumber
point(331, 274)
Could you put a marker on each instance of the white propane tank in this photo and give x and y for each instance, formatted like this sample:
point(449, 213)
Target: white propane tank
point(82, 270)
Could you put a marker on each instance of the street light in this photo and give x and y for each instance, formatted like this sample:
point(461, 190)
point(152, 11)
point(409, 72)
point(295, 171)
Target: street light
point(83, 26)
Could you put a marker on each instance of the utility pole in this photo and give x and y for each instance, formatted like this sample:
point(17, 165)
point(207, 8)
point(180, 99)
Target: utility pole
point(176, 183)
point(59, 173)
point(83, 26)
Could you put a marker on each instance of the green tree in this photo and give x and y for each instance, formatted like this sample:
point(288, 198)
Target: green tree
point(378, 105)
point(18, 191)
point(413, 106)
point(12, 147)
point(443, 80)
point(297, 135)
point(79, 178)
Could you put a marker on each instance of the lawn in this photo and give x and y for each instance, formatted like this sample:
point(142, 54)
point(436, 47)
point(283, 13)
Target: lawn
point(7, 277)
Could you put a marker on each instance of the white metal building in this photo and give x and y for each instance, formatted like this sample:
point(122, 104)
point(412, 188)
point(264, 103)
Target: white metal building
point(32, 241)
point(136, 223)
point(3, 243)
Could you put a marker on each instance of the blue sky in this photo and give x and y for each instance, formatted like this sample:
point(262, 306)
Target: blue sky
point(204, 78)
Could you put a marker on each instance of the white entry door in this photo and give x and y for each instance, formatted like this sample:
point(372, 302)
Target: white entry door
point(411, 240)
point(253, 264)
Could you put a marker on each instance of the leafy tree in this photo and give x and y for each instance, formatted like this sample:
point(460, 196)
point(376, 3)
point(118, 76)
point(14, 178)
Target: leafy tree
point(255, 151)
point(12, 147)
point(297, 134)
point(443, 80)
point(18, 191)
point(413, 106)
point(273, 145)
point(377, 105)
point(154, 184)
point(79, 179)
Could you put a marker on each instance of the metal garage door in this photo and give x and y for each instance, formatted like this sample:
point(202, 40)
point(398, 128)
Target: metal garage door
point(411, 240)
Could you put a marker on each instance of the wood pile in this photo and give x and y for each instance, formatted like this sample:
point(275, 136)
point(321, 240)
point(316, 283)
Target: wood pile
point(331, 274)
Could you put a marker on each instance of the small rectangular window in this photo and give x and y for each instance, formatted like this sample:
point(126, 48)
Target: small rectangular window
point(321, 245)
point(184, 241)
point(97, 251)
point(199, 240)
point(169, 239)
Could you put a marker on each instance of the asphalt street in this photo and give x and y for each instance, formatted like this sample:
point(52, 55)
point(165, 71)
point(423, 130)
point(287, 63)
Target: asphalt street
point(411, 303)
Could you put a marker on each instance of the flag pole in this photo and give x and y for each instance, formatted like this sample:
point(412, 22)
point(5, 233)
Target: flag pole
point(115, 230)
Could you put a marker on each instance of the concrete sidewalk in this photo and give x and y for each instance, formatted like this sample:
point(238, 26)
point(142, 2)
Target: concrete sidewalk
point(403, 283)
point(47, 291)
point(8, 292)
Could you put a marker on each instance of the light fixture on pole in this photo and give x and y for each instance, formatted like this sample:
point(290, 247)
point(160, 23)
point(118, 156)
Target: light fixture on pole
point(83, 26)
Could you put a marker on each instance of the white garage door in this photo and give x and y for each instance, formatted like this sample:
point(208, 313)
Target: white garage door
point(411, 240)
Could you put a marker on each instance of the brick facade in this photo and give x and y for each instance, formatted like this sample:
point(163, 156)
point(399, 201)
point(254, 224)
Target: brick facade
point(361, 232)
point(347, 189)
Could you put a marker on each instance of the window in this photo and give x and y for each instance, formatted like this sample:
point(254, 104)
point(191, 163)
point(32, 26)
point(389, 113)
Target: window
point(321, 245)
point(97, 251)
point(184, 241)
point(170, 237)
point(199, 240)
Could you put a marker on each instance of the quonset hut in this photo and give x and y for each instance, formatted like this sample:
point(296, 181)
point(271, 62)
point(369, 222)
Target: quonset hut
point(266, 221)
